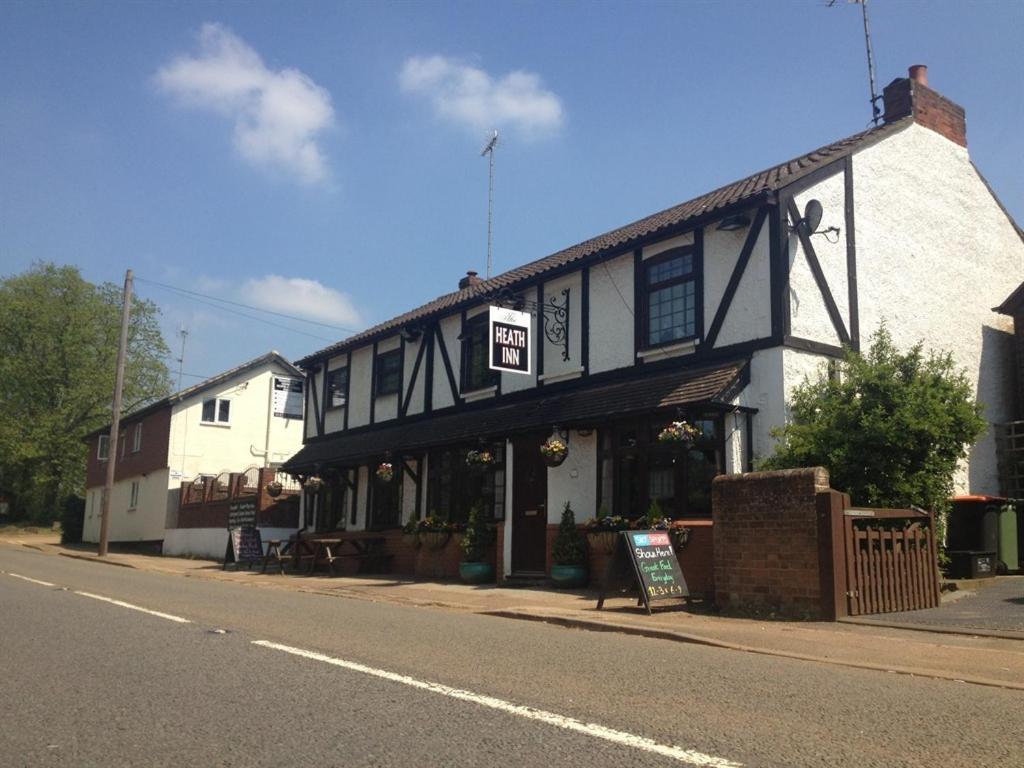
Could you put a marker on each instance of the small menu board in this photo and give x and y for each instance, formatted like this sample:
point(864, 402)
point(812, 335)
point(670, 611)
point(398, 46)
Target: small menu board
point(644, 560)
point(244, 541)
point(242, 514)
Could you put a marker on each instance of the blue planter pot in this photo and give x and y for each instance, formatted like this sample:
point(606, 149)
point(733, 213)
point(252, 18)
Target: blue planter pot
point(476, 573)
point(569, 576)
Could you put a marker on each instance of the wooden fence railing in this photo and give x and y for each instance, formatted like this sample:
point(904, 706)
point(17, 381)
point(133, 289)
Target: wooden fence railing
point(876, 560)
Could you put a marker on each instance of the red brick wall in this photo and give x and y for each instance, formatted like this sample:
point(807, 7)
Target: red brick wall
point(766, 540)
point(930, 109)
point(152, 455)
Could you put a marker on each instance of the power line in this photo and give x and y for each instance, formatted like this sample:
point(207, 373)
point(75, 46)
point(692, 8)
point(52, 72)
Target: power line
point(244, 306)
point(195, 297)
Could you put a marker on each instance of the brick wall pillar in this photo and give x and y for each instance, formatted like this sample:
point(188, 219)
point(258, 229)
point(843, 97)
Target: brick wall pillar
point(766, 545)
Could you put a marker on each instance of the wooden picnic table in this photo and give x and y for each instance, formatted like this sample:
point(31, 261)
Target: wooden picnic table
point(367, 547)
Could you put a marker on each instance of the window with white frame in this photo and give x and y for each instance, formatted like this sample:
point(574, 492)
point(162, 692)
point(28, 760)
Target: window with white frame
point(137, 438)
point(216, 410)
point(133, 502)
point(103, 448)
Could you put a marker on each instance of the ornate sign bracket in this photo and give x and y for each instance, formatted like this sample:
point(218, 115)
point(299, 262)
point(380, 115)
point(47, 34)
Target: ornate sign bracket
point(554, 314)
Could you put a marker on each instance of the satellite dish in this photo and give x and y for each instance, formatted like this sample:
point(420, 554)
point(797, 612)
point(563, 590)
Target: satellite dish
point(812, 216)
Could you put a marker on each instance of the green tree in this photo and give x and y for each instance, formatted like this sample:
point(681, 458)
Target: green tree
point(890, 428)
point(58, 353)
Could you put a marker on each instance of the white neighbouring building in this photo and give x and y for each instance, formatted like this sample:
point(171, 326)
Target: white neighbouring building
point(248, 416)
point(713, 310)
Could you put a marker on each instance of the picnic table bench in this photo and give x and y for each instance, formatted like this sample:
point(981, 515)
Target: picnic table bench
point(365, 547)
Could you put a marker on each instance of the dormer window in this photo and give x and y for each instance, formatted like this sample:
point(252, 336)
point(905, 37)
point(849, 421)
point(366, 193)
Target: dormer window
point(669, 297)
point(216, 410)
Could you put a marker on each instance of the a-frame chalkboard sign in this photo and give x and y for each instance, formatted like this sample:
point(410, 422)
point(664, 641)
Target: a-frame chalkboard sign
point(244, 541)
point(644, 560)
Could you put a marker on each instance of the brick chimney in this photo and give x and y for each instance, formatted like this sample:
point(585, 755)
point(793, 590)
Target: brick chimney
point(912, 96)
point(471, 278)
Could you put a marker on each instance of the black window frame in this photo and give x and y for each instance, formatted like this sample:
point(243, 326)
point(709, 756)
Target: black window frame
point(333, 388)
point(388, 374)
point(630, 450)
point(453, 486)
point(476, 373)
point(645, 289)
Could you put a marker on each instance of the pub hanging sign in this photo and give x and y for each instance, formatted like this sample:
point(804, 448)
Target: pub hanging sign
point(510, 340)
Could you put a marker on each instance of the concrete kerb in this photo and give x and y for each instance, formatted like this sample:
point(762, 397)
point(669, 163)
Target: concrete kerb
point(1003, 634)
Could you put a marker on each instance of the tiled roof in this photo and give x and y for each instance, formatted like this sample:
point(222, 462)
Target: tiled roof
point(271, 357)
point(584, 406)
point(769, 180)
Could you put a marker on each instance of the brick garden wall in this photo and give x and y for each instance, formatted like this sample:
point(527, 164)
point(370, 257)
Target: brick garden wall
point(766, 540)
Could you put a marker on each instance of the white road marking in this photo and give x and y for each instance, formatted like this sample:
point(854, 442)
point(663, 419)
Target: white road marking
point(27, 578)
point(123, 604)
point(689, 756)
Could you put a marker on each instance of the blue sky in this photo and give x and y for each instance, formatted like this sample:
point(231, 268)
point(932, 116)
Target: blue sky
point(322, 159)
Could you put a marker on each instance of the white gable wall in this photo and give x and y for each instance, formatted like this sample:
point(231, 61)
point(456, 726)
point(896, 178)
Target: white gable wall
point(934, 254)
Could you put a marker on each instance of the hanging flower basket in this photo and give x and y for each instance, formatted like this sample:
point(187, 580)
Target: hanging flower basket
point(481, 459)
point(554, 451)
point(678, 433)
point(313, 484)
point(385, 472)
point(274, 489)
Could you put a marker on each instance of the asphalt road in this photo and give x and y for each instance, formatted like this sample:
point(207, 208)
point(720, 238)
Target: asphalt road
point(260, 677)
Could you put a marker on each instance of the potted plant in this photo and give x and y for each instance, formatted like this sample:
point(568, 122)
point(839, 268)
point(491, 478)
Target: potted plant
point(680, 536)
point(274, 488)
point(313, 483)
point(679, 433)
point(385, 472)
point(434, 532)
point(411, 533)
point(569, 553)
point(603, 531)
point(475, 541)
point(554, 451)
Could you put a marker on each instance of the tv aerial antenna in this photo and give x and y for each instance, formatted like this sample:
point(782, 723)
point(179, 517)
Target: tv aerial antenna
point(489, 151)
point(183, 332)
point(876, 113)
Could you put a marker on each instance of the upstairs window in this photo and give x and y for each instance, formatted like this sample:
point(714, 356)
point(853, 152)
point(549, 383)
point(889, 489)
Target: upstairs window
point(389, 372)
point(669, 296)
point(476, 373)
point(137, 438)
point(337, 388)
point(103, 448)
point(216, 410)
point(133, 502)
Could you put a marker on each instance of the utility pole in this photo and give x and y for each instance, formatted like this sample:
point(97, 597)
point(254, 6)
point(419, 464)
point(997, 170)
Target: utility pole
point(115, 423)
point(489, 151)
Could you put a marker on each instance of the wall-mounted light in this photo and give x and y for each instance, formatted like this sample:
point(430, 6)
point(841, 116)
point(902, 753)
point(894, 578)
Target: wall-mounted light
point(412, 332)
point(733, 223)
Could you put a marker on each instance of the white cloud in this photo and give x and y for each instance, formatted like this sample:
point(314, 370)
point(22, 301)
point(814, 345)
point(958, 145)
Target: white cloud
point(301, 297)
point(277, 114)
point(471, 97)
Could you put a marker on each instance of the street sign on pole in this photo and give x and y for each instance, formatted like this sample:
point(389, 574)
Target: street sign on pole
point(509, 340)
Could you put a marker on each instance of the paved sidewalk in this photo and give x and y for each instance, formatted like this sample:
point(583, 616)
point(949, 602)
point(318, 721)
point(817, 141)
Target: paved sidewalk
point(982, 660)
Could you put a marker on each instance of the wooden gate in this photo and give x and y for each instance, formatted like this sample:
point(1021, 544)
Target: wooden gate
point(876, 560)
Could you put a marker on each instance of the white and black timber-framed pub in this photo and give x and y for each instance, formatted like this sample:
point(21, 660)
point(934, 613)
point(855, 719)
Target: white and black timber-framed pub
point(710, 311)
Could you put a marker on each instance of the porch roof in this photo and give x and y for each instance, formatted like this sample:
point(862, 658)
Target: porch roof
point(582, 406)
